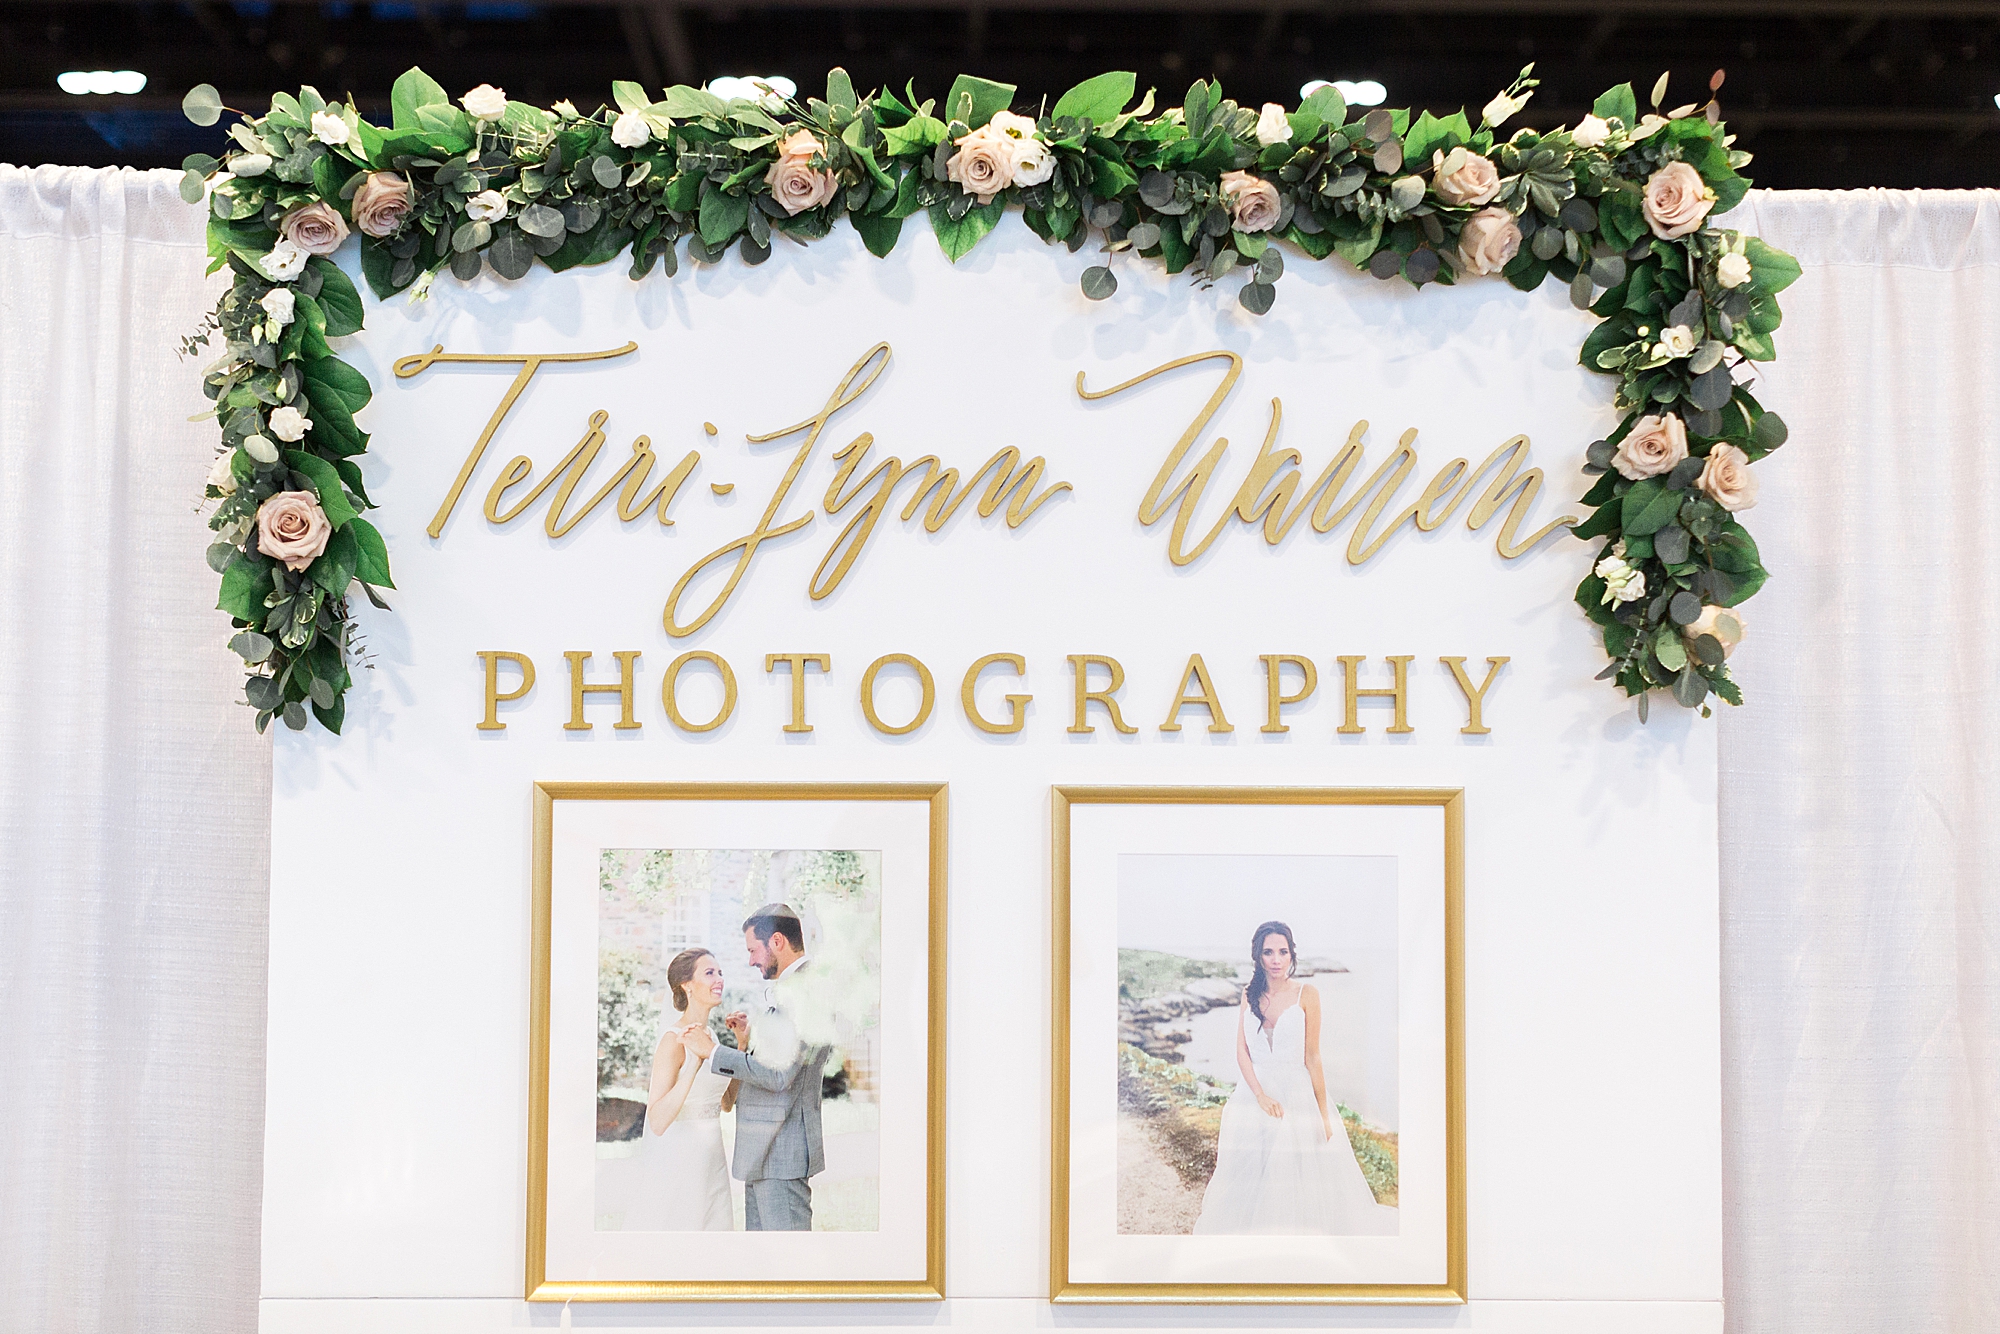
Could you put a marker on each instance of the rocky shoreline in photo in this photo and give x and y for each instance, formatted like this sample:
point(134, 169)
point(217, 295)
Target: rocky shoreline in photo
point(1156, 1024)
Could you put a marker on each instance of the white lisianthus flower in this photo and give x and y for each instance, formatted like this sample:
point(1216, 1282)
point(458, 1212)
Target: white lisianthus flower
point(420, 290)
point(1676, 342)
point(485, 102)
point(1272, 126)
point(1033, 162)
point(1590, 132)
point(220, 477)
point(329, 128)
point(284, 262)
point(260, 448)
point(1501, 109)
point(280, 304)
point(249, 164)
point(486, 206)
point(289, 424)
point(1732, 270)
point(1622, 583)
point(630, 130)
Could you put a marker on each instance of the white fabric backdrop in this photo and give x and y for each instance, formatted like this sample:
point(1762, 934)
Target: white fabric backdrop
point(1861, 884)
point(1860, 844)
point(134, 801)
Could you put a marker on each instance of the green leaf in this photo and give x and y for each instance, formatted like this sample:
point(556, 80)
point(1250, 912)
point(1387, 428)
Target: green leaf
point(1648, 507)
point(341, 381)
point(1670, 648)
point(629, 96)
point(326, 481)
point(1357, 251)
point(337, 298)
point(1773, 269)
point(1734, 551)
point(959, 237)
point(202, 105)
point(244, 585)
point(839, 89)
point(412, 91)
point(371, 565)
point(334, 569)
point(722, 215)
point(987, 98)
point(1425, 137)
point(1099, 282)
point(1099, 99)
point(914, 136)
point(879, 231)
point(1621, 102)
point(1602, 523)
point(1326, 105)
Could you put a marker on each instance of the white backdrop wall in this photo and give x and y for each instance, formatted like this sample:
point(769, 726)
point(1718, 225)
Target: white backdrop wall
point(1860, 982)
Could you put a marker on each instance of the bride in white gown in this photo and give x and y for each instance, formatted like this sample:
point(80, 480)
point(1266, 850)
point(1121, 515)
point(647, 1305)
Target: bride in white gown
point(681, 1181)
point(1283, 1164)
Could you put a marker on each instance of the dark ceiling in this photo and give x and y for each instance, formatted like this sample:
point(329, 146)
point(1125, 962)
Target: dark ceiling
point(1825, 94)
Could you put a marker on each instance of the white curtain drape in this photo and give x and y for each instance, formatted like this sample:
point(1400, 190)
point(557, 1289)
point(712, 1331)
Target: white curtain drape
point(1860, 812)
point(1861, 835)
point(134, 800)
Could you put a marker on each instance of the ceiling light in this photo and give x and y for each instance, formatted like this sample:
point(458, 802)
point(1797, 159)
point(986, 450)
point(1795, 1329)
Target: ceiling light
point(1356, 93)
point(731, 86)
point(101, 81)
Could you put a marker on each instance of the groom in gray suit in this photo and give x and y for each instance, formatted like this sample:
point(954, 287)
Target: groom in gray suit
point(778, 1147)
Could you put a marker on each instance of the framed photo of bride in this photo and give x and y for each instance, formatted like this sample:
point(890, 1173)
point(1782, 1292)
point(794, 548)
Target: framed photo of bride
point(1259, 1045)
point(736, 1065)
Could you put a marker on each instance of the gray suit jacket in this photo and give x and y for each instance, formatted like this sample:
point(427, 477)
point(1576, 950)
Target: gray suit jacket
point(777, 1106)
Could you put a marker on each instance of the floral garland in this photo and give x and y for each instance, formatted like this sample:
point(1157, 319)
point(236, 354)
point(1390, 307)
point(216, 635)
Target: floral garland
point(1617, 207)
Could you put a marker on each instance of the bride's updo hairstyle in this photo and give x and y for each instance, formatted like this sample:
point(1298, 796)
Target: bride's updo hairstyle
point(680, 972)
point(1258, 985)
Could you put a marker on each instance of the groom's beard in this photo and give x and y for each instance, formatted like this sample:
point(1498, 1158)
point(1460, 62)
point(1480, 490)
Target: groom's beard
point(770, 970)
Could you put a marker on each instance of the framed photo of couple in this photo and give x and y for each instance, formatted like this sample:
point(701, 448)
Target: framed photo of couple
point(1259, 1051)
point(736, 1049)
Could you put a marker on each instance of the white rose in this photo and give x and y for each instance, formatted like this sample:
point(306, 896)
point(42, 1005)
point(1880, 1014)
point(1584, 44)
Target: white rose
point(485, 102)
point(284, 262)
point(1272, 126)
point(249, 164)
point(1033, 162)
point(1501, 108)
point(280, 304)
point(260, 449)
point(1732, 270)
point(1676, 342)
point(1622, 583)
point(220, 477)
point(288, 424)
point(630, 130)
point(1725, 623)
point(329, 128)
point(1590, 132)
point(486, 206)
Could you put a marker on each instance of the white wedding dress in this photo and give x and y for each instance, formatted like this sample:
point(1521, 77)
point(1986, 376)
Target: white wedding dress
point(1282, 1175)
point(681, 1181)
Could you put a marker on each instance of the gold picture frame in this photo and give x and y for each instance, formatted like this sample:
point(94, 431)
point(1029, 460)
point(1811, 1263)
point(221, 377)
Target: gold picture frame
point(538, 1287)
point(1453, 1290)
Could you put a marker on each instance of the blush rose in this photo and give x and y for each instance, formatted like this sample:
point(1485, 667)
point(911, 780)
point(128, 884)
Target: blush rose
point(1252, 200)
point(794, 182)
point(316, 228)
point(381, 204)
point(291, 527)
point(1653, 446)
point(1676, 201)
point(1476, 181)
point(1489, 239)
point(1727, 480)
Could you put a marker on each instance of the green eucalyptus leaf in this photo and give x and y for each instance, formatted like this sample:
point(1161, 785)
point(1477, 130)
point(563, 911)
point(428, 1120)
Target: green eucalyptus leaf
point(202, 105)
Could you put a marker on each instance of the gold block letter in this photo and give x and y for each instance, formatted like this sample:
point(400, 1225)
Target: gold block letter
point(1274, 698)
point(1197, 674)
point(1081, 663)
point(577, 690)
point(494, 699)
point(672, 703)
point(868, 694)
point(1017, 705)
point(1350, 665)
point(824, 661)
point(1474, 699)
